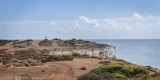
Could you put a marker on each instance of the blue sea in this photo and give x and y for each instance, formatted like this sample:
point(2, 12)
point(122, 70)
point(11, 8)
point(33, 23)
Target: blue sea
point(144, 52)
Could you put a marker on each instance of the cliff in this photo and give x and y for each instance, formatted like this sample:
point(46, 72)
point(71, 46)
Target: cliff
point(106, 52)
point(38, 60)
point(61, 47)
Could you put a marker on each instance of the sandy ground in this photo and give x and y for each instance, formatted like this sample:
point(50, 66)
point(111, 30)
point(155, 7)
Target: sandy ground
point(59, 70)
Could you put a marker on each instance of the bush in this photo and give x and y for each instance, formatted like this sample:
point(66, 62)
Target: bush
point(154, 78)
point(14, 64)
point(4, 57)
point(119, 71)
point(27, 54)
point(45, 42)
point(20, 63)
point(56, 39)
point(67, 57)
point(119, 75)
point(83, 68)
point(4, 42)
point(94, 57)
point(90, 76)
point(29, 40)
point(49, 58)
point(85, 56)
point(29, 44)
point(120, 60)
point(76, 55)
point(157, 74)
point(73, 42)
point(104, 62)
point(33, 62)
point(18, 46)
point(26, 77)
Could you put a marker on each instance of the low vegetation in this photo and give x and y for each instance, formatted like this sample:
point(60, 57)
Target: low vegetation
point(85, 56)
point(27, 54)
point(114, 72)
point(17, 42)
point(104, 62)
point(76, 55)
point(94, 57)
point(119, 60)
point(73, 42)
point(26, 77)
point(21, 63)
point(49, 58)
point(29, 40)
point(4, 56)
point(4, 42)
point(83, 68)
point(18, 46)
point(56, 39)
point(45, 42)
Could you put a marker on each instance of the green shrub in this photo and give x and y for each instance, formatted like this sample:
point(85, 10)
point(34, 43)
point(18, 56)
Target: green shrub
point(26, 77)
point(56, 39)
point(18, 46)
point(85, 56)
point(4, 42)
point(120, 70)
point(29, 40)
point(76, 55)
point(94, 57)
point(117, 75)
point(116, 72)
point(120, 60)
point(14, 64)
point(4, 57)
point(45, 42)
point(32, 62)
point(20, 63)
point(29, 44)
point(132, 71)
point(72, 42)
point(91, 76)
point(104, 62)
point(67, 57)
point(154, 78)
point(83, 68)
point(49, 58)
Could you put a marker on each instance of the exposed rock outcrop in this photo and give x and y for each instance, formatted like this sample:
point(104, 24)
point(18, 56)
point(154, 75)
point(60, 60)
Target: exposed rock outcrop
point(106, 52)
point(61, 47)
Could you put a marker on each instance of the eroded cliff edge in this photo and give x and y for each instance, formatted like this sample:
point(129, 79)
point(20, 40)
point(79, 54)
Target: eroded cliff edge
point(59, 47)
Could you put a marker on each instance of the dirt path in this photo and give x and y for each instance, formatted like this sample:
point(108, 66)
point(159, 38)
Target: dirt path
point(60, 70)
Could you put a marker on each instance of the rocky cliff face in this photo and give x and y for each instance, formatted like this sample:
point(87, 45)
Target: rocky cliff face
point(61, 47)
point(106, 52)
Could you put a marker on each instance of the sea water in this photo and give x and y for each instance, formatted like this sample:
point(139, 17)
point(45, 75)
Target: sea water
point(144, 52)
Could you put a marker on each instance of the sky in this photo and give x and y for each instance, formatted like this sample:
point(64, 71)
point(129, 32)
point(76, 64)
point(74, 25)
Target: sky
point(81, 19)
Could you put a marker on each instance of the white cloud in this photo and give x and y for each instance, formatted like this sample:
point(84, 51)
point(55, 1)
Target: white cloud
point(53, 23)
point(89, 21)
point(118, 26)
point(137, 15)
point(83, 27)
point(76, 23)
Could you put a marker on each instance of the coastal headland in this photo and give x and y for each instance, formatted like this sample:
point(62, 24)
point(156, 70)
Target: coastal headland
point(67, 60)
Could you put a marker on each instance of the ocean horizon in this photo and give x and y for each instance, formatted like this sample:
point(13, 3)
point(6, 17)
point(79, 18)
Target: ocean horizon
point(143, 52)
